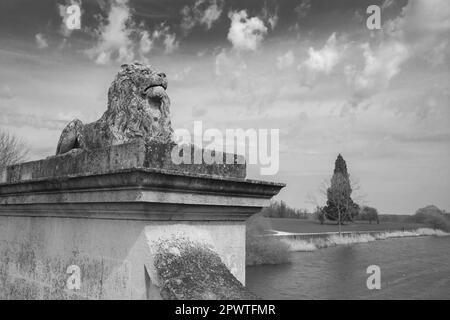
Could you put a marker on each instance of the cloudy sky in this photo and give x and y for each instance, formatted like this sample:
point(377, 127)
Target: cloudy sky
point(310, 68)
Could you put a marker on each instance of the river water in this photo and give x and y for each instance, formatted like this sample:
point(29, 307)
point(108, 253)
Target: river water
point(411, 268)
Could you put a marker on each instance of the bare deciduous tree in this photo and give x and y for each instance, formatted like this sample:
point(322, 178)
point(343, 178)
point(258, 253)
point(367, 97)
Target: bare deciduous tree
point(12, 149)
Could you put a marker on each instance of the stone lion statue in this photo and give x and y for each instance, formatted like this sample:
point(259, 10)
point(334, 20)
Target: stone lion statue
point(138, 107)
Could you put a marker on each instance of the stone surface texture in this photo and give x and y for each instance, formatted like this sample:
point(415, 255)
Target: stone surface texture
point(135, 154)
point(191, 270)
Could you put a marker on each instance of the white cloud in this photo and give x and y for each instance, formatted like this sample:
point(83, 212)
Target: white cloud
point(170, 43)
point(120, 40)
point(169, 39)
point(41, 41)
point(321, 61)
point(188, 20)
point(273, 21)
point(114, 36)
point(423, 25)
point(325, 59)
point(286, 60)
point(271, 18)
point(211, 14)
point(202, 12)
point(246, 33)
point(423, 16)
point(145, 43)
point(421, 30)
point(380, 66)
point(303, 8)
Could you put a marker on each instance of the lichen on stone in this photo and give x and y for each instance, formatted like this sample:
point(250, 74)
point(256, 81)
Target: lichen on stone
point(189, 270)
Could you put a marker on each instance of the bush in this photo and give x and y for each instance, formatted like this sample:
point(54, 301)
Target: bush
point(264, 249)
point(433, 217)
point(318, 215)
point(281, 210)
point(438, 222)
point(321, 217)
point(369, 214)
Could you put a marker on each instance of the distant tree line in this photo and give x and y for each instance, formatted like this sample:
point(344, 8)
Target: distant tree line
point(279, 209)
point(430, 215)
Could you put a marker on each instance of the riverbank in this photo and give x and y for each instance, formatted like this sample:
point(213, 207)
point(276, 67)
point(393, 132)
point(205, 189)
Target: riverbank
point(314, 241)
point(312, 226)
point(272, 240)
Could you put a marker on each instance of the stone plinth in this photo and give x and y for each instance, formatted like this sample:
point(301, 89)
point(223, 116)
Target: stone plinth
point(105, 212)
point(136, 154)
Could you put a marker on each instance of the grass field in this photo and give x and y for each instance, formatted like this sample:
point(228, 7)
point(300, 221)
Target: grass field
point(311, 226)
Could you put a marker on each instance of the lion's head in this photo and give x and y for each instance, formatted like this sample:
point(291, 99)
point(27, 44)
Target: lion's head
point(138, 104)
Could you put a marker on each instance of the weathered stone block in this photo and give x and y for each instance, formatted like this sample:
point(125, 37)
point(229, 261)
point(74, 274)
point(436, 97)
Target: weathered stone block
point(136, 154)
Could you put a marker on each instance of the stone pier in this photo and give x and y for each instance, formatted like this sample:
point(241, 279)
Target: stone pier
point(123, 223)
